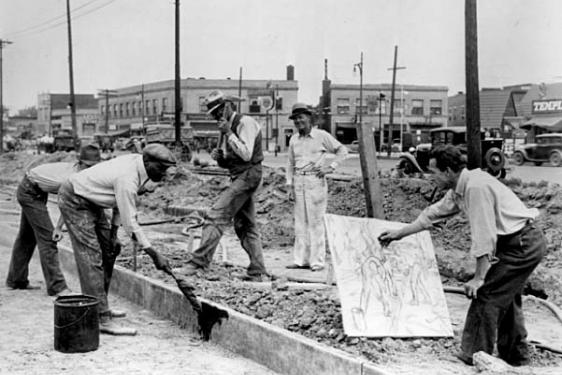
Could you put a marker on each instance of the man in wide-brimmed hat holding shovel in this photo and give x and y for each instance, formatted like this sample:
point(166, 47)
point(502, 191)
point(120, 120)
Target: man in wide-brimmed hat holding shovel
point(242, 156)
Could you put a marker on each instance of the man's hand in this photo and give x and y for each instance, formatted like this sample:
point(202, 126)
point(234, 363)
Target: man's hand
point(217, 154)
point(388, 236)
point(321, 172)
point(471, 287)
point(160, 262)
point(57, 234)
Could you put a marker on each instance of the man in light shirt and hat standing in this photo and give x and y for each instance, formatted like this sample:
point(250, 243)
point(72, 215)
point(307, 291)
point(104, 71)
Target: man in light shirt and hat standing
point(82, 199)
point(306, 176)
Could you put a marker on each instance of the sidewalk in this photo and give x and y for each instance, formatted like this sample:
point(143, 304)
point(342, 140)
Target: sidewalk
point(160, 347)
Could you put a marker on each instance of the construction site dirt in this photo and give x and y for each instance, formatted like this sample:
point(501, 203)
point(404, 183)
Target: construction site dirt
point(315, 311)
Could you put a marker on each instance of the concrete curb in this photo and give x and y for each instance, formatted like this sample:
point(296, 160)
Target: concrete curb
point(278, 349)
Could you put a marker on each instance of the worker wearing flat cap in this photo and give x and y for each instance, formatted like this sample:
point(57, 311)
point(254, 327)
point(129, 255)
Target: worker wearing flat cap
point(242, 156)
point(306, 178)
point(113, 184)
point(36, 227)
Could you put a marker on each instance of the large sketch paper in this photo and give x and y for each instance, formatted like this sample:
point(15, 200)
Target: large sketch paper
point(394, 291)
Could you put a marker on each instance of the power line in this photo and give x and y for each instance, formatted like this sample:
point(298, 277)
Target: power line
point(39, 28)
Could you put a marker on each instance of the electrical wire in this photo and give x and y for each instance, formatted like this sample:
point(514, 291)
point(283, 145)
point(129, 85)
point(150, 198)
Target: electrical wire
point(48, 25)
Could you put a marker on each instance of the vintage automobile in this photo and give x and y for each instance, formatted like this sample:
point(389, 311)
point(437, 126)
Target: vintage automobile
point(493, 158)
point(547, 148)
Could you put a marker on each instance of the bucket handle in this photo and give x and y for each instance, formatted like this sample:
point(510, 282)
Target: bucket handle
point(74, 322)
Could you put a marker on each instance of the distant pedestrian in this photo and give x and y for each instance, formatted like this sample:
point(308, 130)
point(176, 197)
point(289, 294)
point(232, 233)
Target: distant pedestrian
point(36, 227)
point(306, 177)
point(82, 199)
point(243, 157)
point(507, 244)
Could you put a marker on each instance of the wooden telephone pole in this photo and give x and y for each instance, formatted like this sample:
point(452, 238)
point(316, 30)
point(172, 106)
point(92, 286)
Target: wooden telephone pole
point(391, 119)
point(2, 44)
point(474, 148)
point(368, 157)
point(72, 103)
point(177, 84)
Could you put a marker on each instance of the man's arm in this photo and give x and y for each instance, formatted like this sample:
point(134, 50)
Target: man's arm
point(57, 232)
point(445, 208)
point(243, 144)
point(482, 267)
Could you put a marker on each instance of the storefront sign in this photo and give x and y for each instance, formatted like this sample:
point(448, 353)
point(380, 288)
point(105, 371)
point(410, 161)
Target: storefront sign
point(547, 106)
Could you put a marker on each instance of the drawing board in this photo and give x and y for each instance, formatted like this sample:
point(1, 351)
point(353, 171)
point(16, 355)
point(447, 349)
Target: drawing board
point(386, 292)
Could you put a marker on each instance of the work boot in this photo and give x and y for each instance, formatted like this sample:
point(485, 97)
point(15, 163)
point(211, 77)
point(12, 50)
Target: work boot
point(116, 313)
point(261, 278)
point(65, 292)
point(26, 286)
point(111, 328)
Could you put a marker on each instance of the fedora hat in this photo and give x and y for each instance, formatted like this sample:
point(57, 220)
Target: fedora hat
point(216, 98)
point(299, 108)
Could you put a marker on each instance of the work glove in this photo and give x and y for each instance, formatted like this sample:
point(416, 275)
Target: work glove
point(217, 154)
point(160, 262)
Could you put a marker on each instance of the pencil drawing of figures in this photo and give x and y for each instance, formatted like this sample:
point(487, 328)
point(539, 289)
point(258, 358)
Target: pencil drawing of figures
point(393, 291)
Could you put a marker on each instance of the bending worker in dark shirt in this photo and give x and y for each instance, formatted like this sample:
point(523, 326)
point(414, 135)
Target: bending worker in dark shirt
point(36, 227)
point(507, 245)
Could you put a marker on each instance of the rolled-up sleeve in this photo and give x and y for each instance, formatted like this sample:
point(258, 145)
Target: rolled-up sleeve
point(333, 146)
point(125, 197)
point(481, 216)
point(438, 211)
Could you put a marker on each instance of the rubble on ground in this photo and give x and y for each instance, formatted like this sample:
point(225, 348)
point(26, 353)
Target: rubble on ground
point(316, 313)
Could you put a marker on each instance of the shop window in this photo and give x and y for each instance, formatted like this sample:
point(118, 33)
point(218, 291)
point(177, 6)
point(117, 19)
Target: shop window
point(417, 107)
point(255, 106)
point(202, 105)
point(359, 108)
point(164, 105)
point(343, 106)
point(436, 107)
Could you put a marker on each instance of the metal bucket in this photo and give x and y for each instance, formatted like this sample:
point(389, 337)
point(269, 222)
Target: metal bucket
point(76, 324)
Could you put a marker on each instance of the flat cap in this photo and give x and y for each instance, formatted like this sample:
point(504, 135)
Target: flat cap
point(160, 153)
point(89, 154)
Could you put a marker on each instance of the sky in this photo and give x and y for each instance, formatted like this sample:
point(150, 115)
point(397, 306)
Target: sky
point(119, 43)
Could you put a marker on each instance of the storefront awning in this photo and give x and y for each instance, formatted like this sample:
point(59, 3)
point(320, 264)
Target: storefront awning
point(550, 123)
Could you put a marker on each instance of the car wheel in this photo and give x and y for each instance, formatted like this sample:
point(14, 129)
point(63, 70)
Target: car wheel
point(555, 159)
point(538, 163)
point(518, 158)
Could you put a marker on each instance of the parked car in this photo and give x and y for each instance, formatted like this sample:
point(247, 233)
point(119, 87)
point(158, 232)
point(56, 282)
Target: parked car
point(493, 158)
point(547, 148)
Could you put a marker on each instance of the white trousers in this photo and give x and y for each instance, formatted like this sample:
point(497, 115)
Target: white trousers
point(311, 200)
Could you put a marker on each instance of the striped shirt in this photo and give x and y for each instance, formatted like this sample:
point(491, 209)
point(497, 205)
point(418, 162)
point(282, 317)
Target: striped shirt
point(491, 207)
point(49, 177)
point(115, 184)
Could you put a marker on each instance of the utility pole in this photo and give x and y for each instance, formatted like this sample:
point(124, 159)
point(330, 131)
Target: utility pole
point(368, 157)
point(107, 93)
point(142, 105)
point(2, 44)
point(71, 76)
point(390, 125)
point(381, 130)
point(276, 118)
point(178, 103)
point(240, 92)
point(474, 148)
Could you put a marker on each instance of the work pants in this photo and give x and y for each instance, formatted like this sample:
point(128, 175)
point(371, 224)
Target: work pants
point(35, 228)
point(89, 232)
point(497, 312)
point(311, 201)
point(236, 203)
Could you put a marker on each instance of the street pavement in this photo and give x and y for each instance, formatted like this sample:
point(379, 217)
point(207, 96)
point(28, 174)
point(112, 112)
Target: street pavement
point(27, 331)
